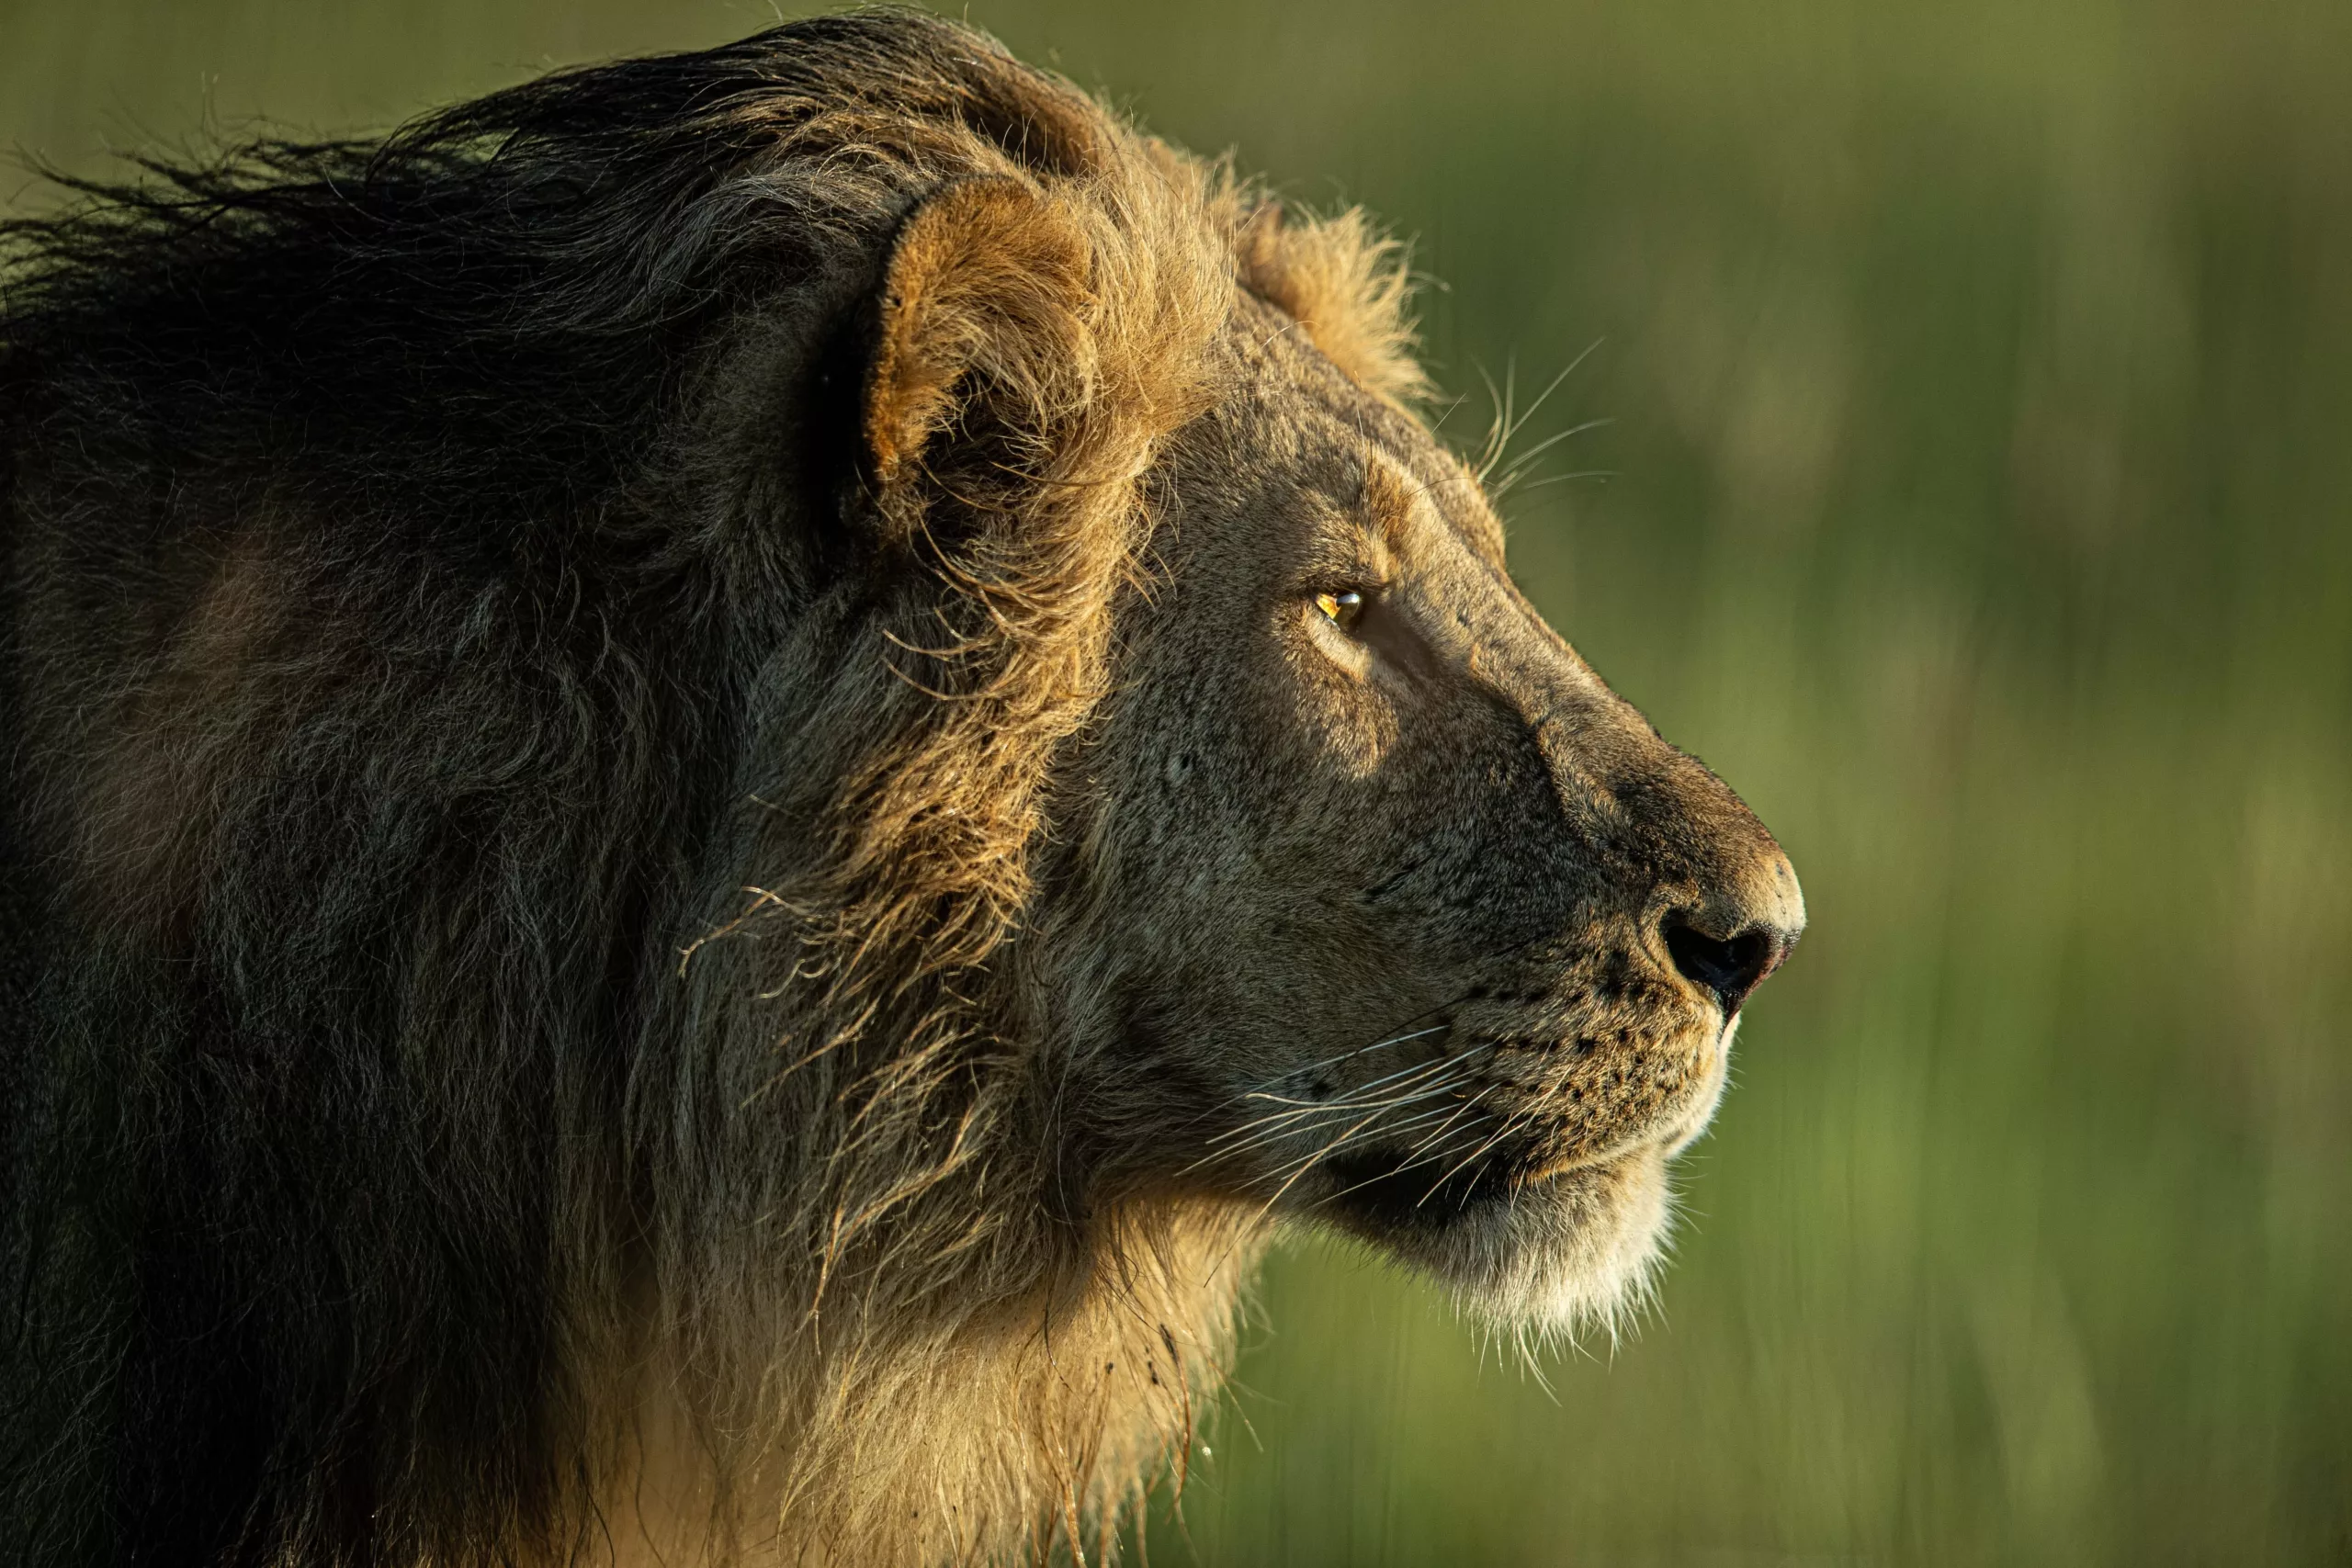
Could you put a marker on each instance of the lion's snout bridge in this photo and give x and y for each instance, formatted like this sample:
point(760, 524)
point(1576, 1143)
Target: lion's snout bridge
point(1715, 901)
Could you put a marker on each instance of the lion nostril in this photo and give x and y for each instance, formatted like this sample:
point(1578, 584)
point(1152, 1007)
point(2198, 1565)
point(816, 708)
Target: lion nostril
point(1730, 967)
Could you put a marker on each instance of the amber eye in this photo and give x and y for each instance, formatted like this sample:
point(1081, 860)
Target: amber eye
point(1342, 610)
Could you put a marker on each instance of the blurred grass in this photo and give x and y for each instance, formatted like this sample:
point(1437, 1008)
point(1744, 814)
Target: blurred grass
point(1979, 501)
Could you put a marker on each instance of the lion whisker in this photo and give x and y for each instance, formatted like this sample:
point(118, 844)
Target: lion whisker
point(1519, 464)
point(1377, 1176)
point(1345, 1056)
point(1508, 1125)
point(1468, 1105)
point(1414, 1085)
point(1308, 1163)
point(1417, 1156)
point(1393, 1127)
point(1510, 423)
point(1351, 1099)
point(1456, 1060)
point(1417, 1080)
point(1271, 1131)
point(1361, 1128)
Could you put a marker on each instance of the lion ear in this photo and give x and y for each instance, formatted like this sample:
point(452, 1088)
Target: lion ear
point(984, 296)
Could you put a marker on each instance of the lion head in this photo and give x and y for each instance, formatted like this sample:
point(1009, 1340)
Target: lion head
point(1424, 932)
point(826, 727)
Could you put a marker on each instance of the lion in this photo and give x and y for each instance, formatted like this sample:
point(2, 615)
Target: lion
point(723, 774)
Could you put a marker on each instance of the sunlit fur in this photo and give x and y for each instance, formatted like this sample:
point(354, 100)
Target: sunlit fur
point(614, 944)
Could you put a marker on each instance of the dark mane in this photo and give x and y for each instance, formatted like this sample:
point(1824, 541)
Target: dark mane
point(394, 533)
point(484, 310)
point(508, 806)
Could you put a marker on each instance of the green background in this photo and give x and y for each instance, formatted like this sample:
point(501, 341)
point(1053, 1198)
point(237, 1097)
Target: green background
point(1978, 500)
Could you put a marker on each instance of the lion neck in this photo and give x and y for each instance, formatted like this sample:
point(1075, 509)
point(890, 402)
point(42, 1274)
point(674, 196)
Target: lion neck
point(951, 1436)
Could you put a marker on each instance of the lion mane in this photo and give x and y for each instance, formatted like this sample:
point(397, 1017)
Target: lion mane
point(465, 1101)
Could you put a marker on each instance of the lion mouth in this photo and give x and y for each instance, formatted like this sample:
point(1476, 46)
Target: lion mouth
point(1520, 1248)
point(1392, 1191)
point(1547, 1220)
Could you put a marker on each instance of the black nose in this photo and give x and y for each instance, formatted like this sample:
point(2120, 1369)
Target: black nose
point(1731, 967)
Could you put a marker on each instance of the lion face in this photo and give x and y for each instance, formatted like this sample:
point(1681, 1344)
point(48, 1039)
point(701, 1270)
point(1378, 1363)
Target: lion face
point(1424, 932)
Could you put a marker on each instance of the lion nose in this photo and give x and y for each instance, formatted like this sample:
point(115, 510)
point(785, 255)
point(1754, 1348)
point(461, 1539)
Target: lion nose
point(1729, 967)
point(1760, 937)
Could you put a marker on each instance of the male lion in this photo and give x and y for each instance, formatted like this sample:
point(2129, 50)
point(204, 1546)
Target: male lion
point(720, 772)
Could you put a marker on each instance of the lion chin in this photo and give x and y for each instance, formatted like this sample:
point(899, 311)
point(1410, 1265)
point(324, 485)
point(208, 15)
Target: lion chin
point(1562, 1253)
point(1554, 1255)
point(1530, 1247)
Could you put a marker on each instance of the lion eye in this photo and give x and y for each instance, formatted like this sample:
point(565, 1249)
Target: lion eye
point(1342, 610)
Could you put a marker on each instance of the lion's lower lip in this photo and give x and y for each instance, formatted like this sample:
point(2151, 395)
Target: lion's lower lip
point(1553, 1169)
point(1541, 1167)
point(1398, 1192)
point(1392, 1190)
